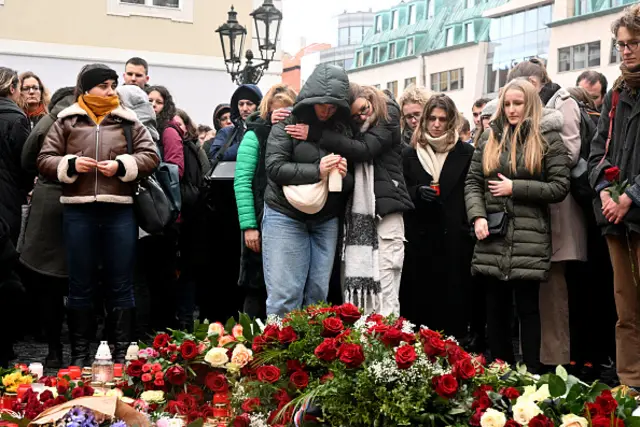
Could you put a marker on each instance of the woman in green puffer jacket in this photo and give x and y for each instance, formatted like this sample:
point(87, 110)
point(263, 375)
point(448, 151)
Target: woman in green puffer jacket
point(249, 184)
point(518, 169)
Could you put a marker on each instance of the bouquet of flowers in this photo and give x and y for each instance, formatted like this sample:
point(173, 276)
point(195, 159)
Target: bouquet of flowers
point(12, 378)
point(83, 417)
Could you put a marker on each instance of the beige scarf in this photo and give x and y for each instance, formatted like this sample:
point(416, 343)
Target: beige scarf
point(433, 154)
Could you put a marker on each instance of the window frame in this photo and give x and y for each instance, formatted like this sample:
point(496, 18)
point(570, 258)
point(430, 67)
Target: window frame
point(613, 51)
point(447, 32)
point(431, 9)
point(412, 14)
point(467, 26)
point(393, 88)
point(410, 81)
point(378, 24)
point(375, 55)
point(571, 52)
point(395, 19)
point(413, 46)
point(393, 47)
point(182, 13)
point(437, 80)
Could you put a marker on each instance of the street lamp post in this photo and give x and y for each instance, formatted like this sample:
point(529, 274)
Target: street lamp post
point(267, 19)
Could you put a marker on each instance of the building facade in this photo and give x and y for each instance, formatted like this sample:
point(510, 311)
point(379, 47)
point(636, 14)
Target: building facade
point(176, 37)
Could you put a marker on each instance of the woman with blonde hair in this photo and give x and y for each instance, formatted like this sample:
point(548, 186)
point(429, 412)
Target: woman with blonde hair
point(438, 242)
point(249, 184)
point(519, 168)
point(34, 98)
point(412, 103)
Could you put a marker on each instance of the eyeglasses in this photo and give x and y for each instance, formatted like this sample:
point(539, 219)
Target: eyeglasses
point(30, 89)
point(410, 117)
point(363, 111)
point(632, 45)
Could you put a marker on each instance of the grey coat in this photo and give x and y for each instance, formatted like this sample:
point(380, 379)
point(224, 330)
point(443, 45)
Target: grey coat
point(43, 250)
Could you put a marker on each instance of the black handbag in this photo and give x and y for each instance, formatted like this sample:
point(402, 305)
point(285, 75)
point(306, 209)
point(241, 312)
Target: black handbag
point(151, 205)
point(498, 223)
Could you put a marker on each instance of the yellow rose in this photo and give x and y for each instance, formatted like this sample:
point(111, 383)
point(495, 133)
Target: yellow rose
point(153, 396)
point(216, 329)
point(493, 418)
point(572, 420)
point(216, 357)
point(241, 355)
point(232, 368)
point(524, 411)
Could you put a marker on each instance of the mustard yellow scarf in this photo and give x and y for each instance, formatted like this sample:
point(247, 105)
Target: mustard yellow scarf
point(98, 107)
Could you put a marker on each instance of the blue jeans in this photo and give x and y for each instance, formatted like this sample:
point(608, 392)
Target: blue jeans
point(100, 234)
point(297, 259)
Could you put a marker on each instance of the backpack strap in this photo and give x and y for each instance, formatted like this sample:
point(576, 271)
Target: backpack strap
point(223, 149)
point(615, 98)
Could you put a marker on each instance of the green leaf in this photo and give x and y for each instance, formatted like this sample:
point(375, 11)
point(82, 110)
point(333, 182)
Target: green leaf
point(632, 422)
point(597, 389)
point(562, 373)
point(229, 325)
point(574, 392)
point(557, 386)
point(197, 423)
point(245, 321)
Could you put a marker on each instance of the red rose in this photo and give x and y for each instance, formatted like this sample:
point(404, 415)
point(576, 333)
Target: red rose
point(483, 403)
point(512, 423)
point(76, 392)
point(134, 369)
point(377, 318)
point(187, 400)
point(408, 338)
point(242, 421)
point(475, 418)
point(445, 385)
point(294, 365)
point(434, 347)
point(349, 312)
point(216, 382)
point(268, 374)
point(351, 355)
point(344, 335)
point(327, 350)
point(159, 383)
point(176, 407)
point(300, 379)
point(160, 341)
point(612, 174)
point(510, 393)
point(606, 402)
point(594, 410)
point(427, 334)
point(332, 327)
point(540, 421)
point(482, 390)
point(270, 333)
point(251, 404)
point(259, 343)
point(464, 369)
point(60, 400)
point(189, 350)
point(287, 335)
point(454, 352)
point(62, 389)
point(196, 392)
point(46, 395)
point(176, 375)
point(379, 329)
point(405, 356)
point(392, 337)
point(281, 396)
point(327, 377)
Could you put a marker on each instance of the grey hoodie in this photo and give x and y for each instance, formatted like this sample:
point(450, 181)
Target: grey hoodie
point(137, 100)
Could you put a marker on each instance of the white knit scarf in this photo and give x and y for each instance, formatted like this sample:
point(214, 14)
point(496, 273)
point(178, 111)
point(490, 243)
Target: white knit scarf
point(434, 152)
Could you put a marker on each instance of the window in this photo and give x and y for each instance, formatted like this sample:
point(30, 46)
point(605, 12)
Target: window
point(468, 31)
point(374, 56)
point(471, 3)
point(413, 14)
point(348, 64)
point(411, 46)
point(378, 24)
point(582, 7)
point(176, 10)
point(449, 37)
point(355, 35)
point(395, 19)
point(431, 8)
point(343, 36)
point(392, 51)
point(359, 59)
point(393, 88)
point(410, 81)
point(614, 56)
point(579, 57)
point(447, 80)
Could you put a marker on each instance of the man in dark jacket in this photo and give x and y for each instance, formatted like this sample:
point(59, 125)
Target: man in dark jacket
point(245, 100)
point(615, 158)
point(15, 184)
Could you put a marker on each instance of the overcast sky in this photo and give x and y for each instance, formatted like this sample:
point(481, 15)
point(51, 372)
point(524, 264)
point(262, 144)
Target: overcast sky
point(315, 19)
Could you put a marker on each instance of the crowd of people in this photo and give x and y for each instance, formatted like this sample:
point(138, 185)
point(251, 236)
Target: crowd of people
point(525, 226)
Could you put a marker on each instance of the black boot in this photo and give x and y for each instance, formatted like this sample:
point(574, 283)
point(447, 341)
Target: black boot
point(120, 328)
point(80, 335)
point(54, 357)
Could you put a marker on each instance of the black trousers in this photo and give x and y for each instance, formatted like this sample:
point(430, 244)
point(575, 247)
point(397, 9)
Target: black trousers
point(500, 296)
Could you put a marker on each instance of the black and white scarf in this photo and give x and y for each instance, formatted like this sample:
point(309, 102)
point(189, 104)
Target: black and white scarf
point(361, 267)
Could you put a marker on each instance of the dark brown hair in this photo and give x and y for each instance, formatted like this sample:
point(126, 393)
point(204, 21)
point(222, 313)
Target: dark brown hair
point(192, 132)
point(533, 67)
point(376, 98)
point(445, 103)
point(8, 79)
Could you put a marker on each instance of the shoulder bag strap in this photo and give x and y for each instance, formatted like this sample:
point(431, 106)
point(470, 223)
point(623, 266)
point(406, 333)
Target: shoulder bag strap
point(223, 150)
point(128, 135)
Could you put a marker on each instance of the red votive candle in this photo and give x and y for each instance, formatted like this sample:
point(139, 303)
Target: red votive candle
point(64, 372)
point(75, 372)
point(22, 389)
point(117, 370)
point(220, 412)
point(220, 398)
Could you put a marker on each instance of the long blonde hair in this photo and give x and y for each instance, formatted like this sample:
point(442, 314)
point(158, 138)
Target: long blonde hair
point(280, 93)
point(534, 145)
point(445, 103)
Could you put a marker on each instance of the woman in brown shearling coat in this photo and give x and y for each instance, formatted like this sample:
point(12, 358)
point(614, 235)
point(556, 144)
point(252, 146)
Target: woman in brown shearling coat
point(86, 150)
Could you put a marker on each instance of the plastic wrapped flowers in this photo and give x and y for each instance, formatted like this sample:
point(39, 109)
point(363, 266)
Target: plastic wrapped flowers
point(79, 416)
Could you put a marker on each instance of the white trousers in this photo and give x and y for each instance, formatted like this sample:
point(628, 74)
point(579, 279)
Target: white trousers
point(391, 257)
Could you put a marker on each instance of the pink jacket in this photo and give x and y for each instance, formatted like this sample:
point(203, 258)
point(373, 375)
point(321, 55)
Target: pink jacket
point(172, 144)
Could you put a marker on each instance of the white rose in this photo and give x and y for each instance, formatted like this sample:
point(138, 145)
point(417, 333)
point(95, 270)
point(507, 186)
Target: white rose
point(153, 396)
point(241, 355)
point(216, 329)
point(572, 420)
point(493, 418)
point(524, 411)
point(542, 394)
point(175, 422)
point(216, 357)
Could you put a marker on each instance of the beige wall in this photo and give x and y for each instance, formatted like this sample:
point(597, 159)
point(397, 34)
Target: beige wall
point(85, 22)
point(472, 59)
point(583, 31)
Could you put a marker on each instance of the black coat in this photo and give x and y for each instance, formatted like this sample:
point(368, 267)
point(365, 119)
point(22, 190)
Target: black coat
point(381, 144)
point(293, 162)
point(15, 183)
point(439, 246)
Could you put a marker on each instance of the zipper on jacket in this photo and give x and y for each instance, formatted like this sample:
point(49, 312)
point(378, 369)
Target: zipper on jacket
point(97, 148)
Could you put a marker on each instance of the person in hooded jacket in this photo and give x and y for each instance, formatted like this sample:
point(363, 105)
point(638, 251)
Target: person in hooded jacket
point(221, 120)
point(15, 183)
point(43, 251)
point(299, 245)
point(439, 246)
point(245, 101)
point(518, 169)
point(136, 99)
point(249, 185)
point(375, 149)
